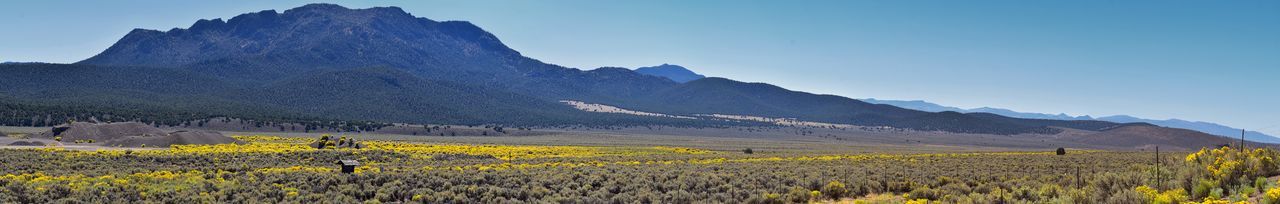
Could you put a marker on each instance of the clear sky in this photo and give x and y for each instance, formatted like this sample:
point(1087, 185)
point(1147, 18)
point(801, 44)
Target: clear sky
point(1214, 61)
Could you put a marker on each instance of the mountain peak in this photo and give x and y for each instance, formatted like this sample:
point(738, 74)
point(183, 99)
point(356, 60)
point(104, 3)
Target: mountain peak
point(318, 7)
point(334, 9)
point(676, 73)
point(318, 34)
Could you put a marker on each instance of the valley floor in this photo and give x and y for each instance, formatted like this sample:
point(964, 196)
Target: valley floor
point(780, 139)
point(627, 165)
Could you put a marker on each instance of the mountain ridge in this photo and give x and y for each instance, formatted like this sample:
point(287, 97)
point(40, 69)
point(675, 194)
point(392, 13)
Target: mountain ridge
point(386, 65)
point(933, 107)
point(1201, 126)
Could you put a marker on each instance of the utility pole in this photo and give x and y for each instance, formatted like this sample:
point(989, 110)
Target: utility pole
point(1157, 167)
point(1241, 139)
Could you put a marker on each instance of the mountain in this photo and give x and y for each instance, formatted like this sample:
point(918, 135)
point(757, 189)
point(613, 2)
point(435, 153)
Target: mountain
point(256, 49)
point(383, 64)
point(374, 93)
point(725, 96)
point(1147, 136)
point(1016, 114)
point(933, 107)
point(676, 73)
point(279, 57)
point(1206, 127)
point(332, 93)
point(268, 45)
point(915, 105)
point(448, 72)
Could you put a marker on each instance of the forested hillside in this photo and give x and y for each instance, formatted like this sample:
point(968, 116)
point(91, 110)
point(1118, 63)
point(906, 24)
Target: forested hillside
point(49, 94)
point(383, 64)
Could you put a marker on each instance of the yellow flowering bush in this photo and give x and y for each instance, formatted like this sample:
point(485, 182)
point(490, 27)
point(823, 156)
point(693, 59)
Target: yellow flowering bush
point(1174, 196)
point(1272, 196)
point(1224, 168)
point(503, 152)
point(917, 201)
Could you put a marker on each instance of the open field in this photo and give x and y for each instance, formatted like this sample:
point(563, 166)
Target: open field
point(342, 101)
point(783, 139)
point(621, 167)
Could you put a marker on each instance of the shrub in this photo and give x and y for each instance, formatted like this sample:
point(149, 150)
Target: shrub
point(768, 198)
point(1167, 197)
point(1089, 196)
point(1062, 151)
point(1203, 188)
point(798, 195)
point(1049, 191)
point(1272, 196)
point(1127, 196)
point(1260, 183)
point(834, 190)
point(1215, 194)
point(924, 193)
point(955, 189)
point(918, 201)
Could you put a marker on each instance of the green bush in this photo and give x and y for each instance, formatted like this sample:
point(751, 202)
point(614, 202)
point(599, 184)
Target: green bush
point(1127, 196)
point(924, 193)
point(1203, 188)
point(835, 190)
point(798, 195)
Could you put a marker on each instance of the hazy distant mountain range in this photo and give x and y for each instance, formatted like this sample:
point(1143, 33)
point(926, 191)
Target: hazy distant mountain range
point(383, 64)
point(933, 107)
point(1207, 127)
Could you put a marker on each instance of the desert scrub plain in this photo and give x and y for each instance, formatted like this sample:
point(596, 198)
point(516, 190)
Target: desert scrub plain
point(273, 169)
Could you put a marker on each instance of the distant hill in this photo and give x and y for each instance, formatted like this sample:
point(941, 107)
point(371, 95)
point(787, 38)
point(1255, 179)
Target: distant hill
point(676, 73)
point(1206, 127)
point(1147, 136)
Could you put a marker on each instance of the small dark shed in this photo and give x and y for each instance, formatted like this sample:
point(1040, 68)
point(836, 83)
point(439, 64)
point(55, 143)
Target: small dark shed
point(348, 165)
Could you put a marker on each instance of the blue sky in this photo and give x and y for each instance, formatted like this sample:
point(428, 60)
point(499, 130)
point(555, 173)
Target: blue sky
point(1214, 61)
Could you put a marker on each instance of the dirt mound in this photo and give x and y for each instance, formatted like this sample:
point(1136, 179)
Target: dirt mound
point(101, 132)
point(27, 143)
point(1145, 136)
point(132, 134)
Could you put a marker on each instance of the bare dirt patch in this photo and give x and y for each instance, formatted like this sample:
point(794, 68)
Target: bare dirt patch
point(130, 135)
